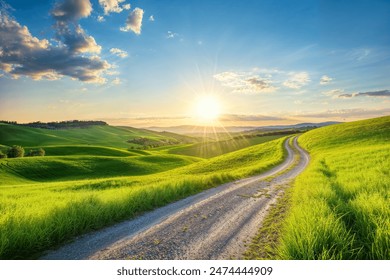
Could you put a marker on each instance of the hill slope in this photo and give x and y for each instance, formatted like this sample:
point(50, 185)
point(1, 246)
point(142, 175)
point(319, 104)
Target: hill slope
point(54, 212)
point(340, 204)
point(108, 136)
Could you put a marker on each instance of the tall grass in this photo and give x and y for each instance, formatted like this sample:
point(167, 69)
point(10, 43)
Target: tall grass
point(340, 204)
point(35, 217)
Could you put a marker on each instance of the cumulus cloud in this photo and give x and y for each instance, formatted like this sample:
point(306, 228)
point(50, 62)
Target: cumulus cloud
point(77, 40)
point(101, 19)
point(119, 52)
point(24, 54)
point(71, 10)
point(111, 6)
point(245, 82)
point(325, 80)
point(297, 80)
point(126, 7)
point(134, 21)
point(68, 31)
point(151, 18)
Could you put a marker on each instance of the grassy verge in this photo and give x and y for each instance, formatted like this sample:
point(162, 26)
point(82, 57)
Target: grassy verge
point(264, 245)
point(35, 217)
point(340, 203)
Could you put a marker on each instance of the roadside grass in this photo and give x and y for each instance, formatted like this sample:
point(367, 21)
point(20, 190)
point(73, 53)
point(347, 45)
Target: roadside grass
point(264, 245)
point(35, 217)
point(340, 203)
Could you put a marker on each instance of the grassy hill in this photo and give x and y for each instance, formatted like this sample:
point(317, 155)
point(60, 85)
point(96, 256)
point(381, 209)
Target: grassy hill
point(45, 201)
point(340, 204)
point(52, 169)
point(107, 136)
point(216, 148)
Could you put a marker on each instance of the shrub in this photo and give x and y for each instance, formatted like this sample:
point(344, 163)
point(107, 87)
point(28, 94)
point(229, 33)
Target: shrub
point(36, 153)
point(2, 155)
point(15, 151)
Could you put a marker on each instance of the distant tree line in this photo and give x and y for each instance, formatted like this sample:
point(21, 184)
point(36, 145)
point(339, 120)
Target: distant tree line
point(18, 151)
point(59, 125)
point(148, 143)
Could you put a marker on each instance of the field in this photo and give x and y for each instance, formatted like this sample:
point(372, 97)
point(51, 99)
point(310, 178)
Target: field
point(340, 204)
point(90, 178)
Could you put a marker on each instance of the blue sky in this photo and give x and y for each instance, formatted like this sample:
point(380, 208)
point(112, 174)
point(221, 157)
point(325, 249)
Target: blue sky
point(147, 63)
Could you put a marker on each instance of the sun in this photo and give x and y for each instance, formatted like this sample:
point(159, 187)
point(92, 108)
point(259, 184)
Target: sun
point(207, 108)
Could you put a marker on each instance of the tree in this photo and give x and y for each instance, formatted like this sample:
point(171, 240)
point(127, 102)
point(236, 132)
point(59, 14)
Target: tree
point(36, 153)
point(15, 151)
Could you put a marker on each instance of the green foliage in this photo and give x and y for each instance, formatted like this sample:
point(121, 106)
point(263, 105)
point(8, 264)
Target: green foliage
point(36, 153)
point(340, 204)
point(2, 155)
point(15, 151)
point(37, 216)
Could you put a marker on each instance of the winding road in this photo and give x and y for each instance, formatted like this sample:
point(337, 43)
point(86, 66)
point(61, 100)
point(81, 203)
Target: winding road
point(214, 224)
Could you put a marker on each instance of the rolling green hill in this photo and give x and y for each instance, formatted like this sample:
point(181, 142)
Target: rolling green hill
point(56, 198)
point(216, 148)
point(340, 204)
point(107, 136)
point(52, 169)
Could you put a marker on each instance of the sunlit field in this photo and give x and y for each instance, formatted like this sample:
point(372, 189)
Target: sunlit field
point(45, 201)
point(340, 204)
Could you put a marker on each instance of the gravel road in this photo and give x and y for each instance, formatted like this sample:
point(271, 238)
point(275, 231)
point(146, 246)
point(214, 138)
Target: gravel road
point(214, 224)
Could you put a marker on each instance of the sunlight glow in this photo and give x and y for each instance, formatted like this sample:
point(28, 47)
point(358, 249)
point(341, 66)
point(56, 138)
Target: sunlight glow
point(207, 108)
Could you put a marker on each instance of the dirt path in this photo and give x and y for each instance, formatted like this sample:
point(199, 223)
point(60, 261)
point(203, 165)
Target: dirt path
point(214, 224)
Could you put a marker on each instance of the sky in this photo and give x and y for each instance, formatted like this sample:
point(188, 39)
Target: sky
point(152, 63)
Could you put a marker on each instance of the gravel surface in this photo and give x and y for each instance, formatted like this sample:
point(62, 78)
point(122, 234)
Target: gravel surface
point(214, 224)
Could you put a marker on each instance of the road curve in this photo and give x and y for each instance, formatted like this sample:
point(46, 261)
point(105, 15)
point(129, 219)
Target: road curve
point(214, 224)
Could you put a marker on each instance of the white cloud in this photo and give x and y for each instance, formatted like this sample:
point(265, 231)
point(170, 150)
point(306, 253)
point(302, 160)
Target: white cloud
point(126, 7)
point(171, 35)
point(26, 55)
point(297, 80)
point(245, 82)
point(119, 52)
point(101, 19)
point(113, 6)
point(325, 80)
point(151, 18)
point(71, 10)
point(134, 21)
point(78, 41)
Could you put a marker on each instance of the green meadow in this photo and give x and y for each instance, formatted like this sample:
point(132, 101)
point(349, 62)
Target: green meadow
point(90, 178)
point(340, 203)
point(93, 177)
